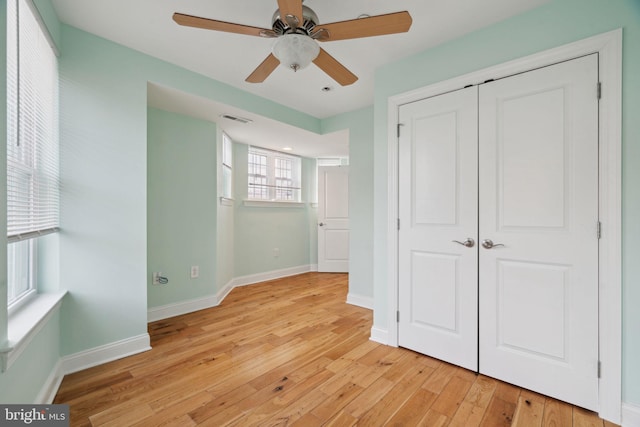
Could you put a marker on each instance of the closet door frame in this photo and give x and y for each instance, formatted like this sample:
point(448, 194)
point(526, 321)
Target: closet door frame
point(609, 47)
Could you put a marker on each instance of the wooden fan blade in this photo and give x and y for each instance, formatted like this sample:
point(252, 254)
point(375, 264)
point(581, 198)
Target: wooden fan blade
point(264, 70)
point(212, 24)
point(334, 69)
point(379, 25)
point(291, 7)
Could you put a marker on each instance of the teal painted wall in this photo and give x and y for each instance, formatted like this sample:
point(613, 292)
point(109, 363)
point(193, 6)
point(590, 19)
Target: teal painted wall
point(181, 206)
point(555, 24)
point(360, 125)
point(49, 16)
point(258, 230)
point(103, 150)
point(23, 381)
point(103, 246)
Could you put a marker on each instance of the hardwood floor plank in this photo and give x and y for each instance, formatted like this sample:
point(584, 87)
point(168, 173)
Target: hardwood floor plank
point(390, 403)
point(434, 419)
point(334, 402)
point(557, 414)
point(292, 352)
point(414, 409)
point(584, 418)
point(529, 412)
point(342, 419)
point(448, 401)
point(369, 397)
point(122, 415)
point(258, 415)
point(502, 406)
point(475, 403)
point(440, 378)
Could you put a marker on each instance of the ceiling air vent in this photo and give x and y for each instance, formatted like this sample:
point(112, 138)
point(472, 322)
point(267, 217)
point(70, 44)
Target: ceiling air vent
point(236, 119)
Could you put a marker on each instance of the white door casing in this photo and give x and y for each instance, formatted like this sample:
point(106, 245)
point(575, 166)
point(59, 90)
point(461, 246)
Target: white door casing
point(538, 157)
point(538, 197)
point(438, 204)
point(333, 219)
point(609, 47)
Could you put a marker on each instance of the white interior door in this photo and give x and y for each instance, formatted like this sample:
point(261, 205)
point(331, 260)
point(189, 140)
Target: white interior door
point(538, 156)
point(438, 204)
point(333, 219)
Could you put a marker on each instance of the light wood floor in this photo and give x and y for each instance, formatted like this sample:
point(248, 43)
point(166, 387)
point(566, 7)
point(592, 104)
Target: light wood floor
point(292, 352)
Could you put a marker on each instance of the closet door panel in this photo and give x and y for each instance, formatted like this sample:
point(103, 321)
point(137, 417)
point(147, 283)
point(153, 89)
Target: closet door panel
point(438, 204)
point(538, 183)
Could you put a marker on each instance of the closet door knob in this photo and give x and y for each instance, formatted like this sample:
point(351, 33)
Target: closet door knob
point(488, 244)
point(469, 242)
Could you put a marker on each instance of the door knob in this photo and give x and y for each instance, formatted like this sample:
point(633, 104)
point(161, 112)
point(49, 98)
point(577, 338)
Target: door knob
point(469, 242)
point(321, 224)
point(488, 244)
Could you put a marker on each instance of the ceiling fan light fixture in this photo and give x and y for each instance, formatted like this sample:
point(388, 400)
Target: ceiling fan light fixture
point(295, 51)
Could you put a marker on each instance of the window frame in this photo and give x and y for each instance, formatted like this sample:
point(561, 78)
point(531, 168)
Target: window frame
point(272, 177)
point(24, 297)
point(227, 168)
point(33, 174)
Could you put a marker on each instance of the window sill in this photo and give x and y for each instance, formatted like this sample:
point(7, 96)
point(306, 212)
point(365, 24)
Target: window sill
point(225, 201)
point(272, 204)
point(25, 323)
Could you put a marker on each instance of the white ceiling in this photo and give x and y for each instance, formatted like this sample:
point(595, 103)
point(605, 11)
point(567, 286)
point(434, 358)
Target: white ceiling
point(147, 26)
point(262, 131)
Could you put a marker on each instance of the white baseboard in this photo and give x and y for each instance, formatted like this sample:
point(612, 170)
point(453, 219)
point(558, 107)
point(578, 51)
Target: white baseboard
point(222, 293)
point(189, 306)
point(182, 307)
point(630, 415)
point(379, 335)
point(313, 267)
point(270, 275)
point(105, 353)
point(360, 301)
point(51, 385)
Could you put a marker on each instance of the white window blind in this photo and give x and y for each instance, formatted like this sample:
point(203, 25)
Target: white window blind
point(32, 127)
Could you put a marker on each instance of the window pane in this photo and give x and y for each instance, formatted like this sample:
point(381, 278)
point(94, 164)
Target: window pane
point(19, 269)
point(227, 153)
point(227, 166)
point(258, 188)
point(226, 181)
point(284, 184)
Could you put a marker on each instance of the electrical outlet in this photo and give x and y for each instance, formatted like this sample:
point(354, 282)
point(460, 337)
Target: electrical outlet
point(156, 278)
point(195, 271)
point(276, 252)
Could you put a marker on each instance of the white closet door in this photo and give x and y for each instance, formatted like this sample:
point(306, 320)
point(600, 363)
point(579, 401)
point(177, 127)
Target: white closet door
point(438, 204)
point(538, 181)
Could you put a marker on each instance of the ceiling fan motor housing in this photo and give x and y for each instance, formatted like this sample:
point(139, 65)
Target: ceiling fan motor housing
point(281, 27)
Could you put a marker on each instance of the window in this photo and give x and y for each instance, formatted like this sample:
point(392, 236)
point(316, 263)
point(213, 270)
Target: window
point(227, 167)
point(273, 175)
point(32, 145)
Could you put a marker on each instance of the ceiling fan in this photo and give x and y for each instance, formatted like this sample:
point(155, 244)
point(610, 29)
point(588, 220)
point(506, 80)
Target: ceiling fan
point(297, 31)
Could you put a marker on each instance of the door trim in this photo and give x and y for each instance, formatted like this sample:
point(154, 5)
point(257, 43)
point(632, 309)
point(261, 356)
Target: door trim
point(609, 47)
